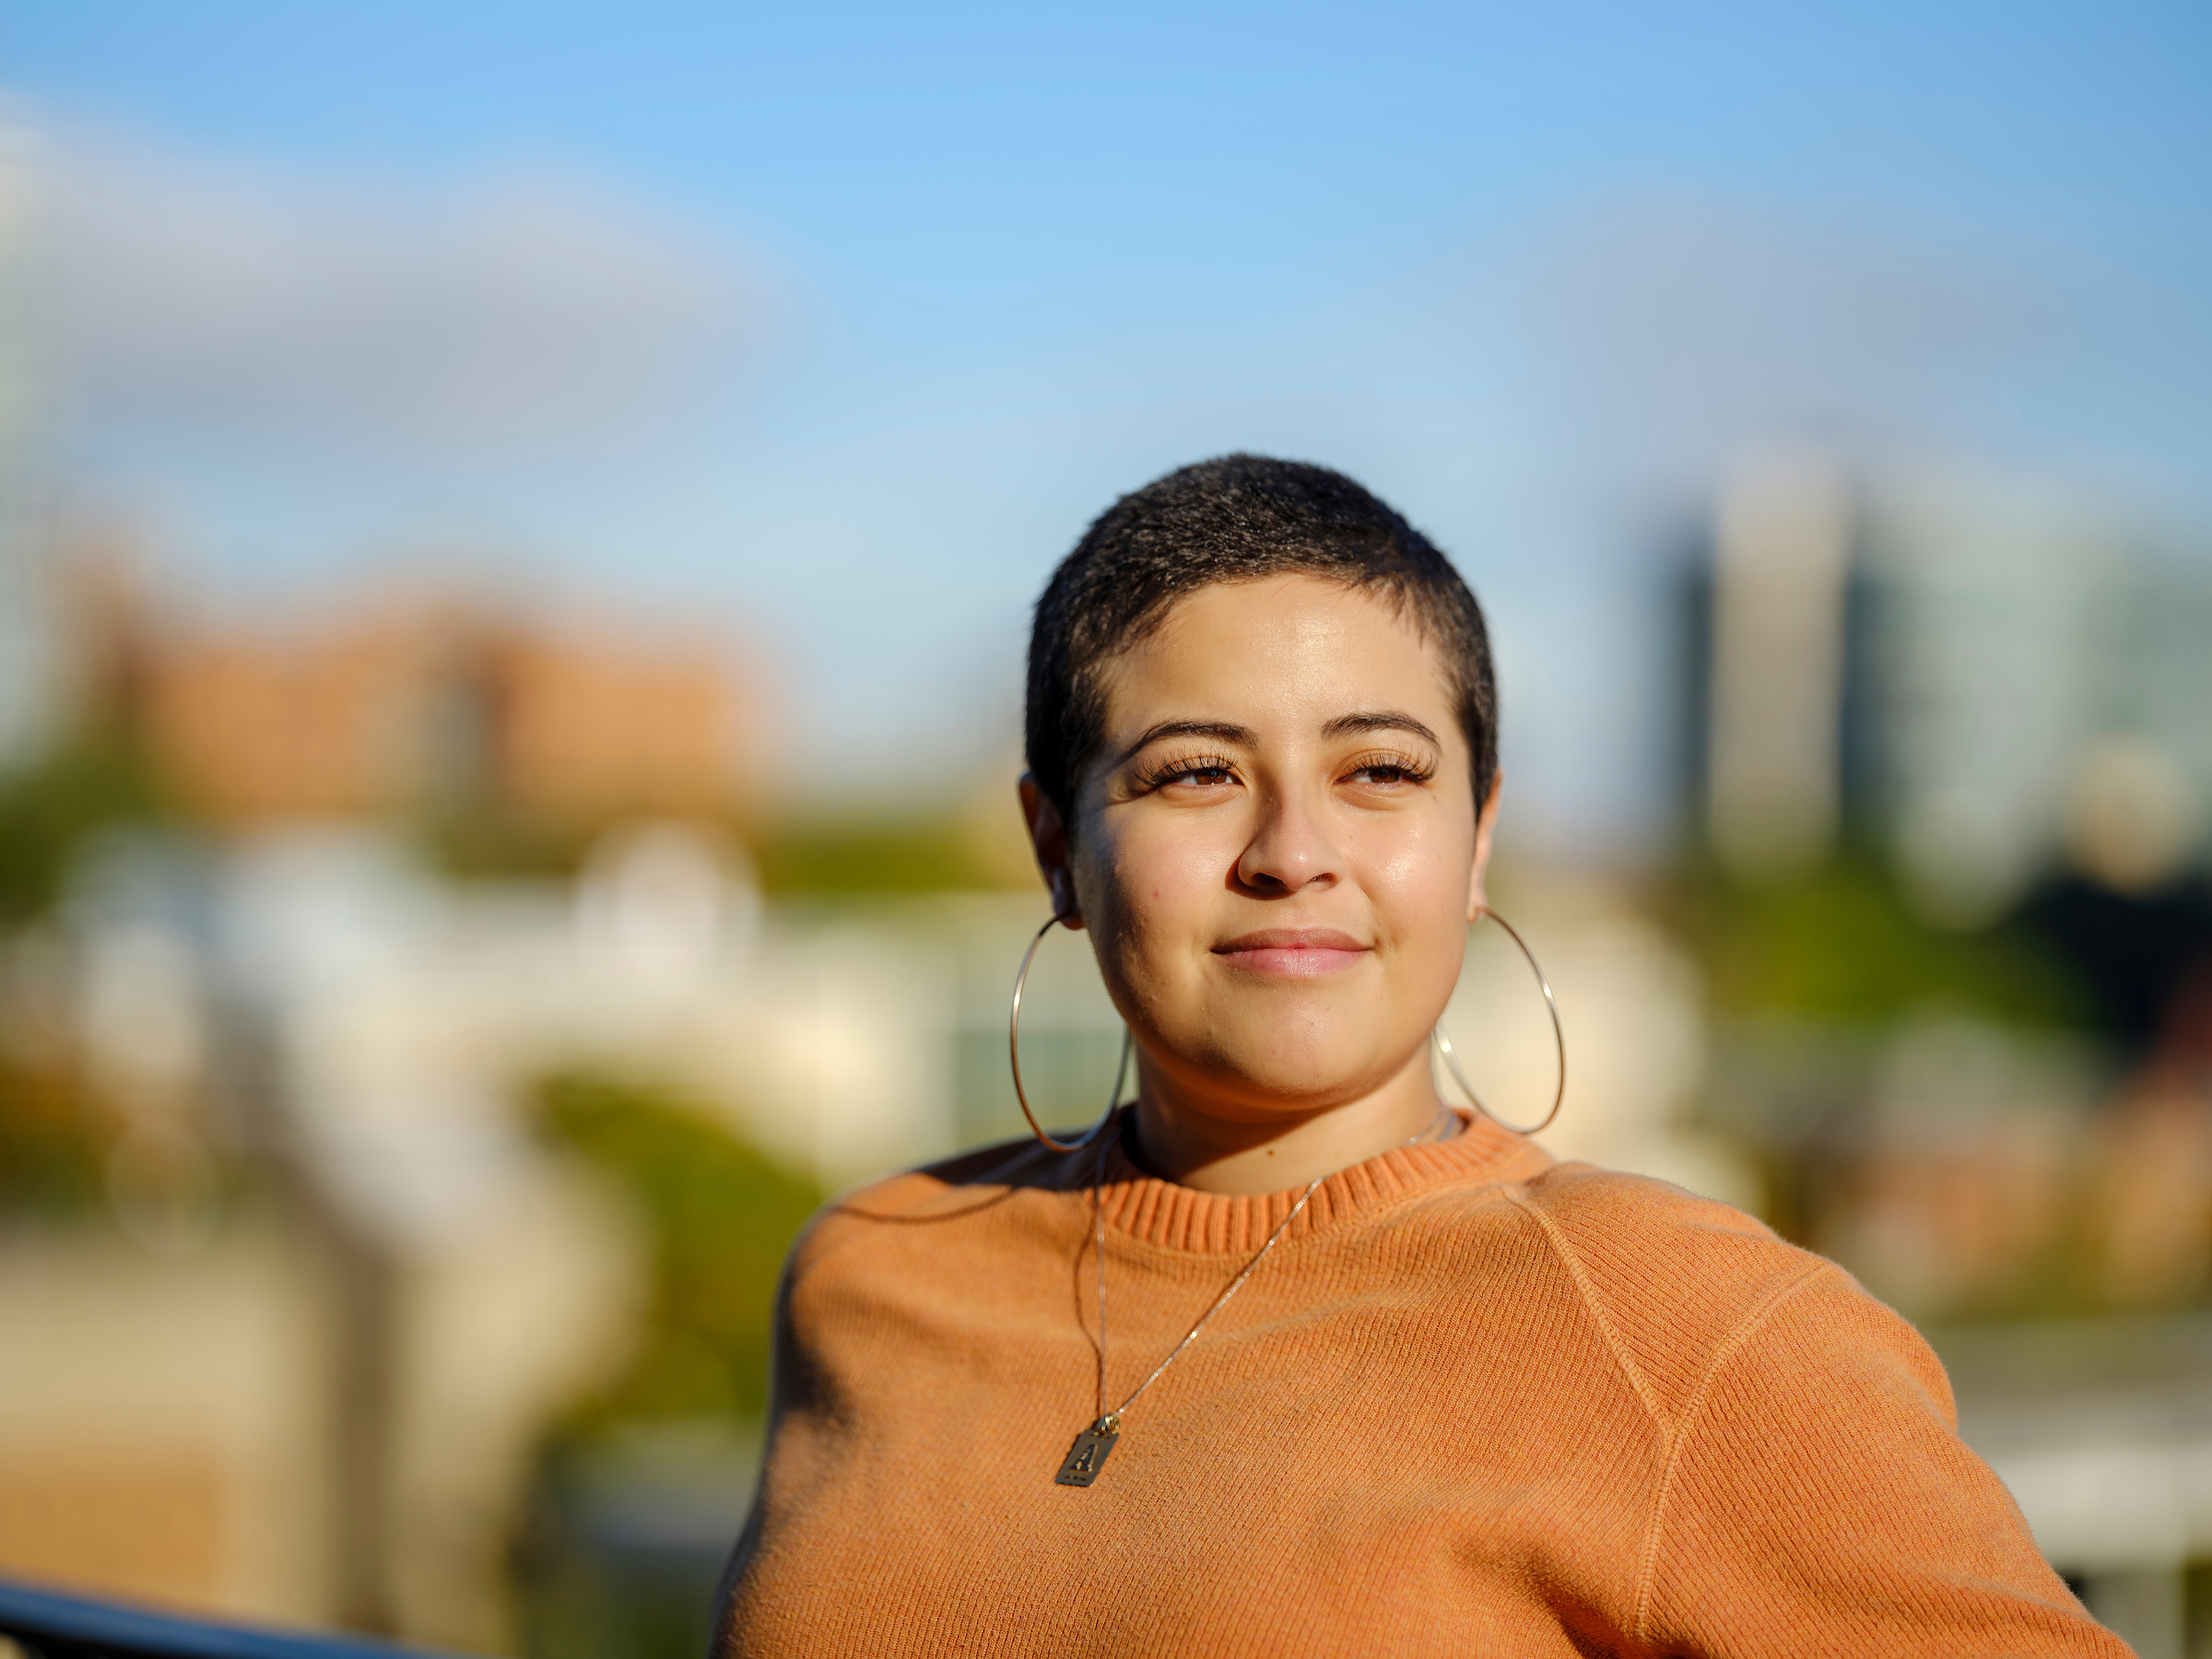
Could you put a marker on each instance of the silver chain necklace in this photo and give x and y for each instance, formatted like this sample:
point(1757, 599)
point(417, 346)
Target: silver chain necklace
point(1088, 1455)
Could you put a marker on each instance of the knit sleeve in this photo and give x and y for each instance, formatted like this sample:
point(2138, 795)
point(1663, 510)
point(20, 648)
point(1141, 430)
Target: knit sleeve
point(1818, 1501)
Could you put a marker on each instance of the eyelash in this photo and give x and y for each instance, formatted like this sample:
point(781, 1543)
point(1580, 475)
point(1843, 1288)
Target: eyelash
point(1174, 770)
point(1410, 770)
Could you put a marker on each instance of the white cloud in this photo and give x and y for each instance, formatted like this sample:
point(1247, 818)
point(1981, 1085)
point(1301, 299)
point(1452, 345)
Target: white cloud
point(514, 316)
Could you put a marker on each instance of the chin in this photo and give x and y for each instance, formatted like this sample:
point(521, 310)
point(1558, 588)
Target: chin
point(1292, 1075)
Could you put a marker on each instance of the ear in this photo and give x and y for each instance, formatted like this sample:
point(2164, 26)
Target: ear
point(1048, 840)
point(1485, 822)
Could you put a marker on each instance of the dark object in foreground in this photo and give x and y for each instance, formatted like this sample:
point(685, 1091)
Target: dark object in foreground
point(48, 1625)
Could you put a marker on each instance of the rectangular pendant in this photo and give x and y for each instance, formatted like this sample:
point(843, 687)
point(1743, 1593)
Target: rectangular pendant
point(1087, 1456)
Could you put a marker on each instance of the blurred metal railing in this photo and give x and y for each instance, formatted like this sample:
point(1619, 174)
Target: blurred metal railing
point(48, 1625)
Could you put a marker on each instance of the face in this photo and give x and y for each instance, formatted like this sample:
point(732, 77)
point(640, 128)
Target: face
point(1276, 847)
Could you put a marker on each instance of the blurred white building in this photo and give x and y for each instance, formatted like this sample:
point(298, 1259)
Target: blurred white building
point(2037, 689)
point(1990, 675)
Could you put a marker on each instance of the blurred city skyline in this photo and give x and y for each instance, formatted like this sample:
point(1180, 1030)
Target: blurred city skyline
point(838, 326)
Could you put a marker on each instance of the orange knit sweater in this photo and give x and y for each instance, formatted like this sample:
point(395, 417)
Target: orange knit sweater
point(1473, 1403)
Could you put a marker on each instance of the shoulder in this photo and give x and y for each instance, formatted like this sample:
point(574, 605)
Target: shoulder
point(1681, 1283)
point(972, 1184)
point(1634, 1229)
point(1001, 1165)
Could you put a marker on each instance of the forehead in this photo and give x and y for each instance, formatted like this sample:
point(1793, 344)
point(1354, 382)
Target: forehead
point(1285, 650)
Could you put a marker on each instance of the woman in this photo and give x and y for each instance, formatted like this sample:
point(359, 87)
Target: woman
point(1444, 1396)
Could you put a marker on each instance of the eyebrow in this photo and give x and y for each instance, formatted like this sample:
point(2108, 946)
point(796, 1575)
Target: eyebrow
point(1221, 731)
point(1379, 720)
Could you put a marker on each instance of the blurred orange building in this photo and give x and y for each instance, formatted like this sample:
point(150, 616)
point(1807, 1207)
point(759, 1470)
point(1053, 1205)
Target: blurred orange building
point(408, 707)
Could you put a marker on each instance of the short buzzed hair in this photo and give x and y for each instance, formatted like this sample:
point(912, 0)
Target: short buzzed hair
point(1239, 518)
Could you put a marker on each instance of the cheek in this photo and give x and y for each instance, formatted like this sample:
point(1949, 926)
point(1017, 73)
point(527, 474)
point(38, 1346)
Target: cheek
point(1160, 877)
point(1148, 891)
point(1419, 886)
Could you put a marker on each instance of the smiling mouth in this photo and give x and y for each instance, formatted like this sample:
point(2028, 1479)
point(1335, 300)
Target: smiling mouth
point(1292, 952)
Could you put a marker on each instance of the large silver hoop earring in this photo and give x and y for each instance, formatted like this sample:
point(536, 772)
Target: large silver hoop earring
point(1113, 1099)
point(1443, 1042)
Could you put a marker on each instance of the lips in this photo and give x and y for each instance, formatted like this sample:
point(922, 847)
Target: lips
point(1292, 952)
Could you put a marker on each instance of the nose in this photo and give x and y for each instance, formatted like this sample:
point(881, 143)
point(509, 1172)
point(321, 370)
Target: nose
point(1291, 848)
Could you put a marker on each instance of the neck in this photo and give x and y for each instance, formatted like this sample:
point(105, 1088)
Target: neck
point(1180, 1140)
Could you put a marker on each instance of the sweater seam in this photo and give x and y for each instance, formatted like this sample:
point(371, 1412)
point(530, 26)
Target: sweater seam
point(1686, 1425)
point(1587, 1289)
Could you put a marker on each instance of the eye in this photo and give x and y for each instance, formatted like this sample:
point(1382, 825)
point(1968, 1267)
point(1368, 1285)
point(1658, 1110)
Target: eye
point(1205, 771)
point(1388, 771)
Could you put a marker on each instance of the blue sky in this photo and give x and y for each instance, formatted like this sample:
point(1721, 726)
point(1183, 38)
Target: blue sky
point(1534, 273)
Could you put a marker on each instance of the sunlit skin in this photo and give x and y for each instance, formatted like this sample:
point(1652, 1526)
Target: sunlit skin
point(1277, 851)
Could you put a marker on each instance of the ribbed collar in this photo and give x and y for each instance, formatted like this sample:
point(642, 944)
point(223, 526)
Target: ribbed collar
point(1180, 1218)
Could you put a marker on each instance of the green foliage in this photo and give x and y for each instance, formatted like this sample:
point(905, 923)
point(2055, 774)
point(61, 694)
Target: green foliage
point(48, 808)
point(1841, 946)
point(722, 1217)
point(487, 843)
point(871, 855)
point(576, 1605)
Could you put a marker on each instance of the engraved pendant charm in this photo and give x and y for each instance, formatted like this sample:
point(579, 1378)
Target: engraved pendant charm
point(1088, 1455)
